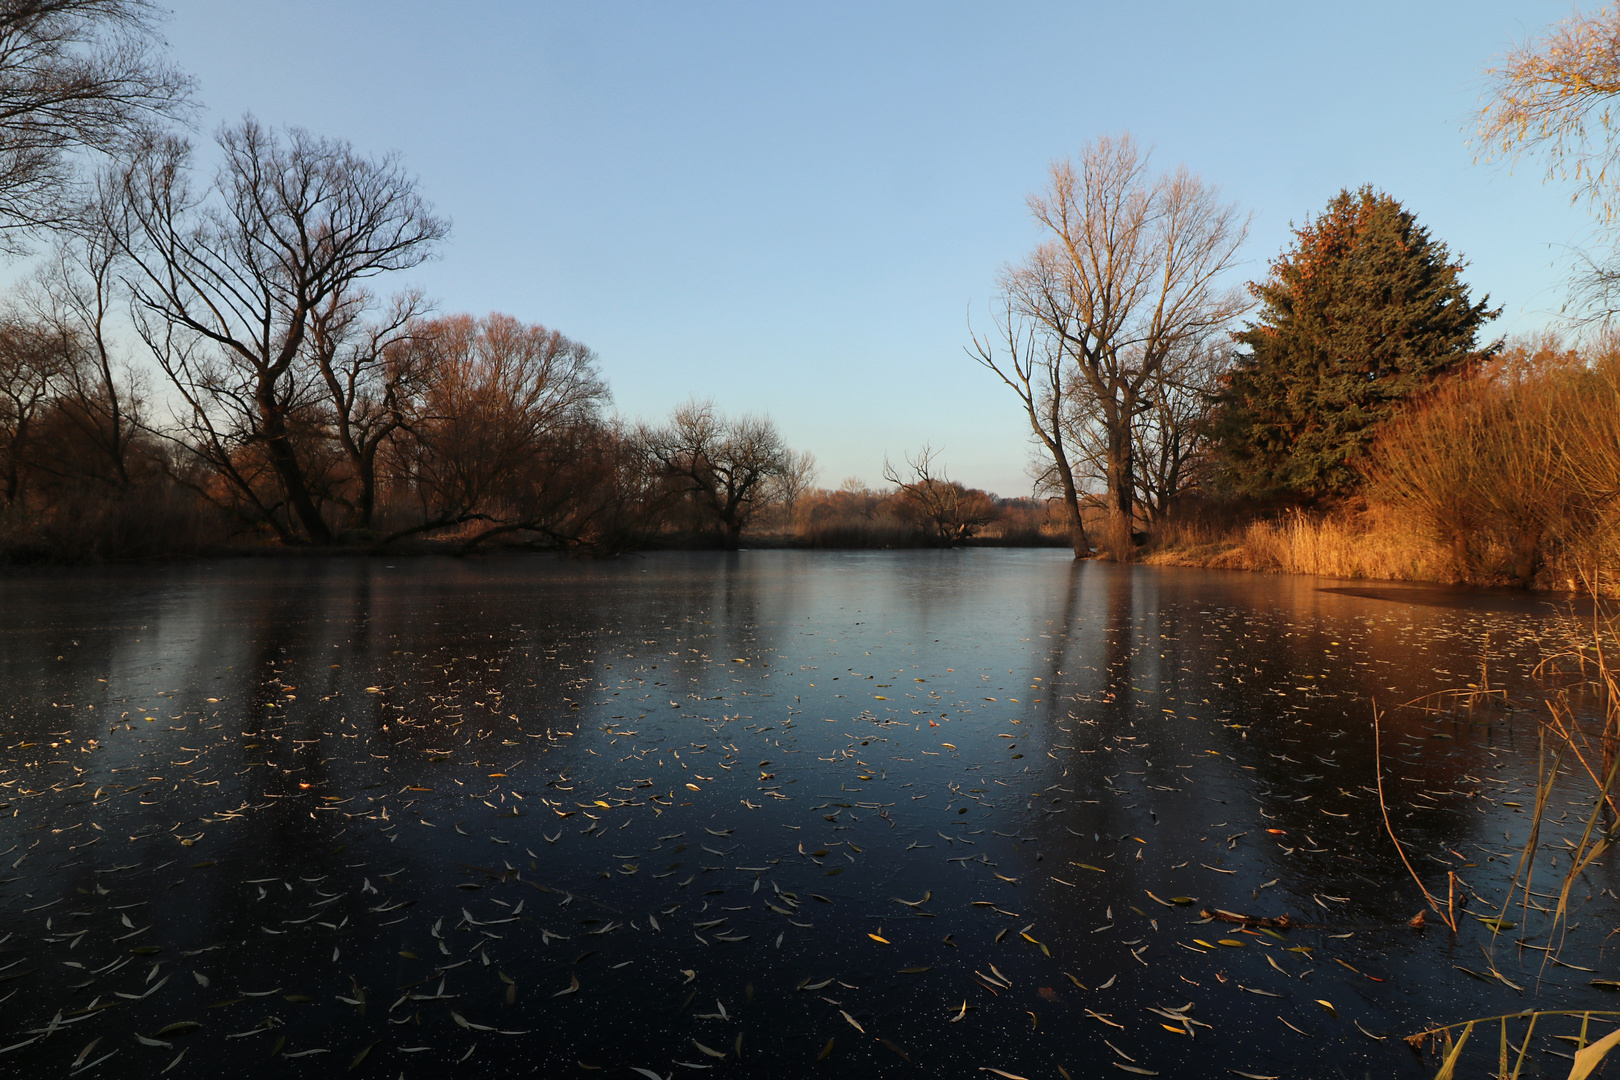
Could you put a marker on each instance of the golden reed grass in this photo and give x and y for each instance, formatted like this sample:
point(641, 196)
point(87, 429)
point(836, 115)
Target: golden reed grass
point(1508, 474)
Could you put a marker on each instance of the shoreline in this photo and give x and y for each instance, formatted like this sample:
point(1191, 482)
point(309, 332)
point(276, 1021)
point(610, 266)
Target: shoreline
point(1230, 555)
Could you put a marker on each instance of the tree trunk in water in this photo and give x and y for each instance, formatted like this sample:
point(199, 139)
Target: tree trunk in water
point(1078, 540)
point(1121, 493)
point(285, 462)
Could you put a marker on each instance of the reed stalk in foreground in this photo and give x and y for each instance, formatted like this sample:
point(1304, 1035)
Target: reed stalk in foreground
point(1592, 659)
point(1448, 913)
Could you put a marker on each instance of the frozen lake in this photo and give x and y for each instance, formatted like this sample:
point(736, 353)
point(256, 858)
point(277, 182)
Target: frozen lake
point(770, 813)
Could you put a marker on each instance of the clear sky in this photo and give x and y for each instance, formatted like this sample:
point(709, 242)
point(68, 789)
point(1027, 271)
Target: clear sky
point(795, 209)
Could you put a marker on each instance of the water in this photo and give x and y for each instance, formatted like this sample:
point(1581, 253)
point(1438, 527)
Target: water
point(866, 812)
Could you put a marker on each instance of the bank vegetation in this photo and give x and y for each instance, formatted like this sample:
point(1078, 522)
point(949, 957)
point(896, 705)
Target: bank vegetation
point(233, 357)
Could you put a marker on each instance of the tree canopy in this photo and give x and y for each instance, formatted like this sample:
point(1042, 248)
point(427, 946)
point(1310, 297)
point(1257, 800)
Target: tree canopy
point(75, 76)
point(1363, 311)
point(1553, 96)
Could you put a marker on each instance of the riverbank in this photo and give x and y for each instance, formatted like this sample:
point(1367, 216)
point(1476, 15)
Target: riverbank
point(1365, 544)
point(1369, 544)
point(32, 549)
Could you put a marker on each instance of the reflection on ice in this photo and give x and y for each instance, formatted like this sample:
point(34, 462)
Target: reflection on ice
point(958, 810)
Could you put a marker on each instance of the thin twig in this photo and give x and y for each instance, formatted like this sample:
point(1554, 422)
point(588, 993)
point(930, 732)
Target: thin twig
point(1447, 916)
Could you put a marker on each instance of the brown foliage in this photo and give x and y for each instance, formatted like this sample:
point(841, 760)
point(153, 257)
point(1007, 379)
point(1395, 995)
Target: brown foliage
point(1512, 463)
point(729, 470)
point(943, 509)
point(508, 437)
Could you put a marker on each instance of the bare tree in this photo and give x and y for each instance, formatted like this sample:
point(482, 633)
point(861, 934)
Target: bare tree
point(75, 75)
point(32, 357)
point(1129, 275)
point(949, 512)
point(376, 381)
point(792, 484)
point(1169, 434)
point(506, 421)
point(1036, 367)
point(227, 280)
point(727, 467)
point(77, 291)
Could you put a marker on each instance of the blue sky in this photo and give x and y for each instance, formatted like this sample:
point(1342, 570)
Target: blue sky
point(795, 209)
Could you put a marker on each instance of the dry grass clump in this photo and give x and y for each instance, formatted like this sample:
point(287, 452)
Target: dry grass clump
point(1513, 471)
point(1373, 543)
point(1369, 543)
point(1506, 475)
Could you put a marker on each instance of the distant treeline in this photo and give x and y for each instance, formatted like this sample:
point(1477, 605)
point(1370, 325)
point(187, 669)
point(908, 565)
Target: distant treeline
point(210, 358)
point(448, 433)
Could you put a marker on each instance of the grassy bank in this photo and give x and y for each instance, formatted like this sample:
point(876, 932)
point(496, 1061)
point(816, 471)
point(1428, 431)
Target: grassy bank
point(1376, 543)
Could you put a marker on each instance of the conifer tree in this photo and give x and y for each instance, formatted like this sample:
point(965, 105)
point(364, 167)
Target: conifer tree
point(1365, 310)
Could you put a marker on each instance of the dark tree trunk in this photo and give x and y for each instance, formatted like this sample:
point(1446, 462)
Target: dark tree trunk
point(285, 462)
point(1121, 491)
point(1078, 540)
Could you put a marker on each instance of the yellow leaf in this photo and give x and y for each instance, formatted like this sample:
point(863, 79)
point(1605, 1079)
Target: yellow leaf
point(1588, 1059)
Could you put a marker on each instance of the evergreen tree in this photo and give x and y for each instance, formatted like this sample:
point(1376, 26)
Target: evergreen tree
point(1365, 310)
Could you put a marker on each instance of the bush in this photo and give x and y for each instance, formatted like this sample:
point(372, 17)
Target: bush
point(1512, 469)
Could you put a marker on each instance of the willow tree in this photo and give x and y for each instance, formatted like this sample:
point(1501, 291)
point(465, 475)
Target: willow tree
point(1552, 98)
point(501, 428)
point(1128, 276)
point(230, 280)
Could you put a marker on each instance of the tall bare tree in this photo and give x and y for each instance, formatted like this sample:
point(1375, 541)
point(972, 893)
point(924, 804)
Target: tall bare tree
point(78, 291)
point(228, 279)
point(728, 467)
point(1032, 360)
point(1130, 273)
point(75, 76)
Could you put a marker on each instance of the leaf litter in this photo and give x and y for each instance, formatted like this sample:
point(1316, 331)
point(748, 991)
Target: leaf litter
point(407, 785)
